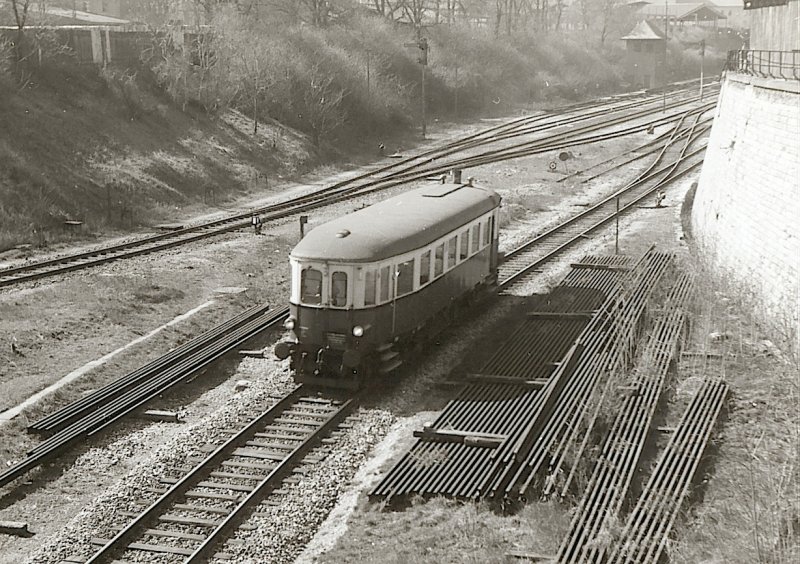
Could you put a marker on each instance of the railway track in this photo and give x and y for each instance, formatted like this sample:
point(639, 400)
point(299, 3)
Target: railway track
point(413, 168)
point(199, 507)
point(646, 532)
point(624, 444)
point(100, 409)
point(107, 405)
point(523, 260)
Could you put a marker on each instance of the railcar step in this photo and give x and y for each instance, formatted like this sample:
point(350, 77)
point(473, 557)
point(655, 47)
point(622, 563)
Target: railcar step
point(389, 355)
point(393, 365)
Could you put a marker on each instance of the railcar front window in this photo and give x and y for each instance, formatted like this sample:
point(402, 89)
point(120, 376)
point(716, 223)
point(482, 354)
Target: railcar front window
point(425, 268)
point(476, 237)
point(487, 235)
point(438, 261)
point(464, 245)
point(311, 286)
point(452, 248)
point(339, 289)
point(386, 283)
point(405, 278)
point(370, 278)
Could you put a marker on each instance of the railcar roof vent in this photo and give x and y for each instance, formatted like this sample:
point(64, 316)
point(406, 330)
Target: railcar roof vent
point(343, 233)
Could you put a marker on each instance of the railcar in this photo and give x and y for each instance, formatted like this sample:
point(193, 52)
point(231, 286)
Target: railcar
point(369, 286)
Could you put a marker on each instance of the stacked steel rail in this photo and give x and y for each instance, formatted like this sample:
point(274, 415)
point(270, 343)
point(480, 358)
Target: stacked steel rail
point(604, 343)
point(571, 438)
point(109, 404)
point(453, 454)
point(201, 508)
point(617, 464)
point(414, 168)
point(648, 526)
point(523, 260)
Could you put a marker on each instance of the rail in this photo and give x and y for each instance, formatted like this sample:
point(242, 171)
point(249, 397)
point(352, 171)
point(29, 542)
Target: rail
point(766, 64)
point(83, 419)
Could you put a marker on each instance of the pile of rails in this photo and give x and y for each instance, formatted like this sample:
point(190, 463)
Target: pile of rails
point(526, 423)
point(646, 531)
point(103, 407)
point(624, 443)
point(496, 436)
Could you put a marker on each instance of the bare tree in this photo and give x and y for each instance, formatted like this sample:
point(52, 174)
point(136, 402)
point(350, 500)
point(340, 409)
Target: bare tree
point(318, 102)
point(607, 13)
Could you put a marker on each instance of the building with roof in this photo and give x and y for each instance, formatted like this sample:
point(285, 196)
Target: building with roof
point(710, 13)
point(646, 55)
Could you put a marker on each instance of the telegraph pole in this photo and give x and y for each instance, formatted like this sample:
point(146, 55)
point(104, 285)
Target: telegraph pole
point(702, 61)
point(455, 93)
point(616, 231)
point(423, 62)
point(368, 53)
point(422, 59)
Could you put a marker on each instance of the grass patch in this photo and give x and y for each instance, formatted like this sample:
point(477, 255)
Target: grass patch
point(439, 529)
point(750, 509)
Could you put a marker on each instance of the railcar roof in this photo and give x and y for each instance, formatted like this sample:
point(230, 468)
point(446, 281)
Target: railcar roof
point(397, 225)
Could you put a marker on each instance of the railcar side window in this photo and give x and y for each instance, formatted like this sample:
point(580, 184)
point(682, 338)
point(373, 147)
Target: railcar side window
point(311, 286)
point(339, 289)
point(425, 268)
point(487, 235)
point(452, 248)
point(405, 277)
point(476, 237)
point(386, 283)
point(438, 261)
point(464, 245)
point(370, 277)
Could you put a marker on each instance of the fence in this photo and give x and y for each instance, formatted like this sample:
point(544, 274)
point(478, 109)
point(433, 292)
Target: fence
point(768, 64)
point(108, 45)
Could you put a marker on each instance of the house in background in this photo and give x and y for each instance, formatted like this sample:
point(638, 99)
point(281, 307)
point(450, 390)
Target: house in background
point(646, 55)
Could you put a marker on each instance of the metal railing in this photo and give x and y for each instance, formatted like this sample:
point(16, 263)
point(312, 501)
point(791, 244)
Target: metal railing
point(767, 64)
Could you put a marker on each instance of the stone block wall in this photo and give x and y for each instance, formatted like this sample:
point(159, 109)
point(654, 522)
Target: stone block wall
point(746, 212)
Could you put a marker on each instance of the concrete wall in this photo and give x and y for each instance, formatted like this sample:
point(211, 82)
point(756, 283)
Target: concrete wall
point(746, 212)
point(776, 28)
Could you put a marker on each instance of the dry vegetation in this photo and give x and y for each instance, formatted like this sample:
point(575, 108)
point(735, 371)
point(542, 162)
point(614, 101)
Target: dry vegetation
point(252, 98)
point(750, 510)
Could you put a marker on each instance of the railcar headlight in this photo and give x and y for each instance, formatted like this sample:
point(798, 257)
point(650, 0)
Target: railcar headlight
point(358, 331)
point(289, 323)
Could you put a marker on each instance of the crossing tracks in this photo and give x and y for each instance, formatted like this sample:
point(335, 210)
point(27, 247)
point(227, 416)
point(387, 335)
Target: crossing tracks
point(556, 129)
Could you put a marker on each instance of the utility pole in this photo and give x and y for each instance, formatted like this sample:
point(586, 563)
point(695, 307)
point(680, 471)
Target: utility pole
point(368, 53)
point(702, 61)
point(616, 234)
point(423, 62)
point(422, 59)
point(455, 89)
